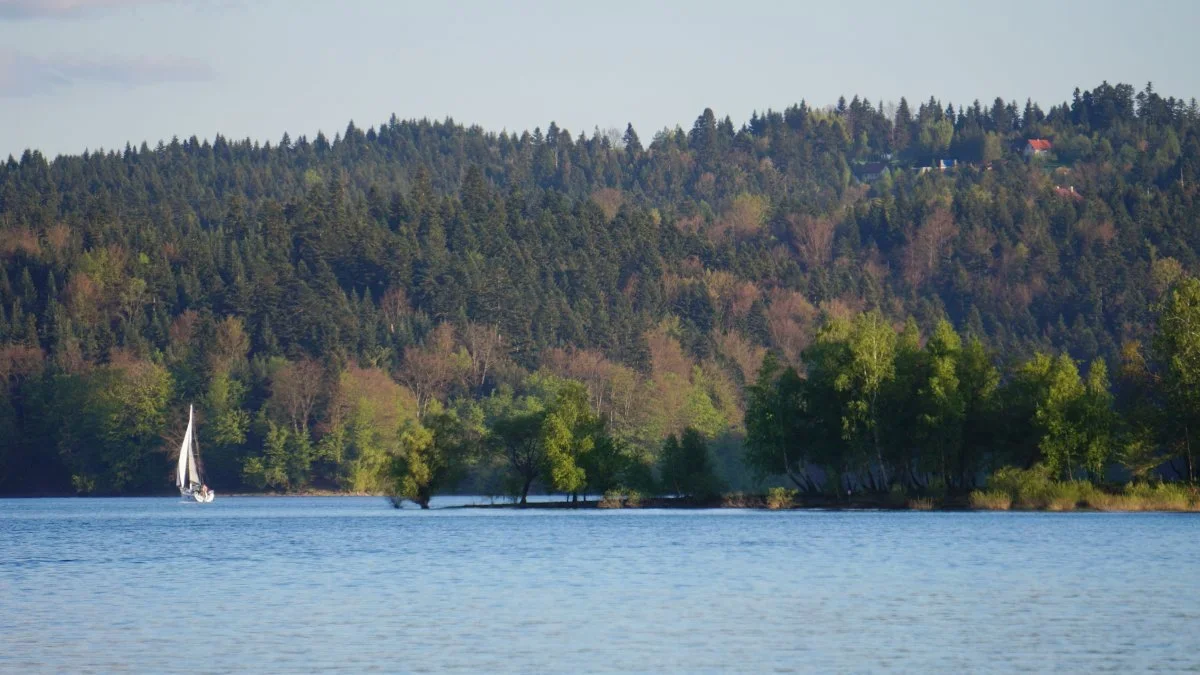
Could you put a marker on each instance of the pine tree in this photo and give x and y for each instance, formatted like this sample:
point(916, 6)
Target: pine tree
point(633, 146)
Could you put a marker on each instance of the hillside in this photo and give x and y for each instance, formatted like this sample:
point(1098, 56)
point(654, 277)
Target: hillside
point(326, 302)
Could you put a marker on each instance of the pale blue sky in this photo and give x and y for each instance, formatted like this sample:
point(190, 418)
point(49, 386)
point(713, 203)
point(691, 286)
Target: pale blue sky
point(78, 74)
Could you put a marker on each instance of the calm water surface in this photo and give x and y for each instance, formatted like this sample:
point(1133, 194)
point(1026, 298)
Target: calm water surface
point(352, 585)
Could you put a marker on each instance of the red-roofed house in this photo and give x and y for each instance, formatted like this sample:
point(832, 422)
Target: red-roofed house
point(1036, 146)
point(1068, 192)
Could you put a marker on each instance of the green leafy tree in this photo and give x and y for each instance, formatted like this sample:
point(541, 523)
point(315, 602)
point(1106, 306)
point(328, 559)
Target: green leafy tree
point(434, 454)
point(1098, 421)
point(905, 436)
point(826, 404)
point(115, 418)
point(1139, 420)
point(514, 431)
point(978, 382)
point(1063, 437)
point(365, 418)
point(270, 469)
point(686, 466)
point(942, 402)
point(775, 429)
point(568, 434)
point(226, 424)
point(612, 464)
point(517, 435)
point(387, 250)
point(1177, 349)
point(871, 365)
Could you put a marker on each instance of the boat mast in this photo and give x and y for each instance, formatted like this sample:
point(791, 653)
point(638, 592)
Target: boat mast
point(181, 474)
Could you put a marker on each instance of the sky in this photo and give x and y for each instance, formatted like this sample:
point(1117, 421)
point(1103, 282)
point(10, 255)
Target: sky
point(81, 75)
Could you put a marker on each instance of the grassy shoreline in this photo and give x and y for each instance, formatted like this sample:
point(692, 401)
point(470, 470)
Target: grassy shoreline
point(1098, 503)
point(1011, 495)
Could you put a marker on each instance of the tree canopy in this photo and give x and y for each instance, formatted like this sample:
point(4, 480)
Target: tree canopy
point(419, 302)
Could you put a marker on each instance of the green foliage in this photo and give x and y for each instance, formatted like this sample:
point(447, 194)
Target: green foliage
point(112, 419)
point(286, 290)
point(610, 464)
point(1143, 496)
point(228, 423)
point(1098, 421)
point(434, 454)
point(568, 435)
point(1036, 488)
point(942, 402)
point(514, 432)
point(686, 466)
point(1062, 434)
point(979, 382)
point(700, 412)
point(371, 449)
point(991, 500)
point(869, 367)
point(270, 469)
point(774, 427)
point(781, 498)
point(620, 498)
point(1177, 347)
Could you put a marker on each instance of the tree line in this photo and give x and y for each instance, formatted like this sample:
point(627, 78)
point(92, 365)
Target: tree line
point(872, 406)
point(328, 303)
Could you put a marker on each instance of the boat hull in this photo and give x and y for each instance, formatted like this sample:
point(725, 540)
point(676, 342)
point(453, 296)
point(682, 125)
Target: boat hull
point(202, 498)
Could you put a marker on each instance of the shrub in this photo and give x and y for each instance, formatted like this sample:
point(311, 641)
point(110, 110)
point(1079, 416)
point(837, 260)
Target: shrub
point(1028, 488)
point(1160, 497)
point(739, 500)
point(781, 498)
point(1061, 502)
point(1147, 497)
point(1066, 496)
point(620, 498)
point(991, 500)
point(1105, 501)
point(83, 484)
point(1034, 488)
point(612, 500)
point(921, 504)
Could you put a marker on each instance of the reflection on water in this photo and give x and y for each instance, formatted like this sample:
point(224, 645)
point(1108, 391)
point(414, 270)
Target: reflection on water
point(352, 585)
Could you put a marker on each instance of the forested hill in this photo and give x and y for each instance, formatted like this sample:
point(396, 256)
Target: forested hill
point(276, 285)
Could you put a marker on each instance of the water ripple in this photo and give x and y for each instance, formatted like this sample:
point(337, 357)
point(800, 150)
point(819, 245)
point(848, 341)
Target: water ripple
point(352, 585)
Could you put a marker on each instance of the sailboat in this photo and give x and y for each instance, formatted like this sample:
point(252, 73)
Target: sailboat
point(187, 476)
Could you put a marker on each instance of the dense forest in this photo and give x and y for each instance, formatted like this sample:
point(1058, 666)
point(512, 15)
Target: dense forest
point(861, 297)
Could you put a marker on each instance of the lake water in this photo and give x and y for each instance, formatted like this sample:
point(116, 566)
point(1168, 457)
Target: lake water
point(352, 585)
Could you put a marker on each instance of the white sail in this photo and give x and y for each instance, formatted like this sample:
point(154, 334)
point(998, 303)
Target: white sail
point(187, 473)
point(193, 469)
point(185, 453)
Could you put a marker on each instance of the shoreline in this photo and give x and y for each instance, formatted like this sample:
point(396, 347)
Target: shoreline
point(956, 504)
point(737, 501)
point(165, 495)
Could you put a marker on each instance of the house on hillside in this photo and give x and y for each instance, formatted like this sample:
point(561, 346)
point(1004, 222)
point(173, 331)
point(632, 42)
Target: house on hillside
point(870, 171)
point(943, 164)
point(1036, 146)
point(1068, 193)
